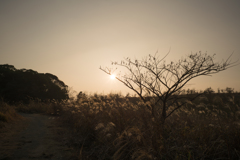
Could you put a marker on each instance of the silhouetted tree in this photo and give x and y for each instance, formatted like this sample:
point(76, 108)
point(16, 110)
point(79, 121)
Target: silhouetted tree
point(82, 97)
point(209, 90)
point(165, 81)
point(229, 90)
point(20, 85)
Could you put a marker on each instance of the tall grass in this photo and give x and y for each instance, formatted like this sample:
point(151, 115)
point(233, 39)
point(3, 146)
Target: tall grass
point(51, 107)
point(7, 113)
point(122, 128)
point(115, 127)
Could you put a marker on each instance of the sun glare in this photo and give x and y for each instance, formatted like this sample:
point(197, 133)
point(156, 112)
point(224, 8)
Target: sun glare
point(112, 76)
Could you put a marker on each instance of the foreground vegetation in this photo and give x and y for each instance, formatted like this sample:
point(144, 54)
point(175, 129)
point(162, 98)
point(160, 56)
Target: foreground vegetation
point(7, 114)
point(112, 127)
point(116, 127)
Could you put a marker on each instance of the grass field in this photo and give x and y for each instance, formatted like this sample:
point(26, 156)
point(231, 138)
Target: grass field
point(115, 127)
point(111, 127)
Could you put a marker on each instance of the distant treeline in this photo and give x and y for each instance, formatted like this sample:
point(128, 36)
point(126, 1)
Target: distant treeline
point(21, 85)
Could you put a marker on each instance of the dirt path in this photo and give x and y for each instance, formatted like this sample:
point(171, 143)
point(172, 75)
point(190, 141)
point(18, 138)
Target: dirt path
point(33, 137)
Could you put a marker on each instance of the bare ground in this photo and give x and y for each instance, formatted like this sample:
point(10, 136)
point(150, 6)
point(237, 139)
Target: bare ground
point(34, 136)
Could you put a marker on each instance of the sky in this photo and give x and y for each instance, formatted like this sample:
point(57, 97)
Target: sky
point(72, 39)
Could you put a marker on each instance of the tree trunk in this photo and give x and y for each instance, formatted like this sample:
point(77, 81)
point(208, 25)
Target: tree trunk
point(163, 113)
point(158, 130)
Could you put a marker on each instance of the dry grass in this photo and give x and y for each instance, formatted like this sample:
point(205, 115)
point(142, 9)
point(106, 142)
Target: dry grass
point(37, 106)
point(109, 127)
point(103, 129)
point(7, 113)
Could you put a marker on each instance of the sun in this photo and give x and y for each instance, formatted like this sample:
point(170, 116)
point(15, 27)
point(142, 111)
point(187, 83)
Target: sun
point(112, 76)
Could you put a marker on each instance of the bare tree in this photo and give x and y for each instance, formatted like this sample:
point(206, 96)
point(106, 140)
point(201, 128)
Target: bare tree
point(164, 82)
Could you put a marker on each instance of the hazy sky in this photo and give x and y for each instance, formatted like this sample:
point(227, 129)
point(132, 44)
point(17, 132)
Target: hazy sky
point(72, 38)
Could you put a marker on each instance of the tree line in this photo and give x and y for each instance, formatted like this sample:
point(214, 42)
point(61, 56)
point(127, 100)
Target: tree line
point(21, 85)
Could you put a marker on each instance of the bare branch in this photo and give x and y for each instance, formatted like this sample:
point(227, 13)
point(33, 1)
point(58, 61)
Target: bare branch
point(152, 76)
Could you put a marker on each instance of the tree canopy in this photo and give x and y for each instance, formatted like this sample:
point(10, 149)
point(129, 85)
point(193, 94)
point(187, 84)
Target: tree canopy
point(153, 76)
point(21, 84)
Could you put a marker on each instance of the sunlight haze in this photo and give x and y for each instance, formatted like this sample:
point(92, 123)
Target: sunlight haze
point(72, 39)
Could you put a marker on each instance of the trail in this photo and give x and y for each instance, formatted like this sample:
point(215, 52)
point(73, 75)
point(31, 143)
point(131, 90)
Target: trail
point(34, 137)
